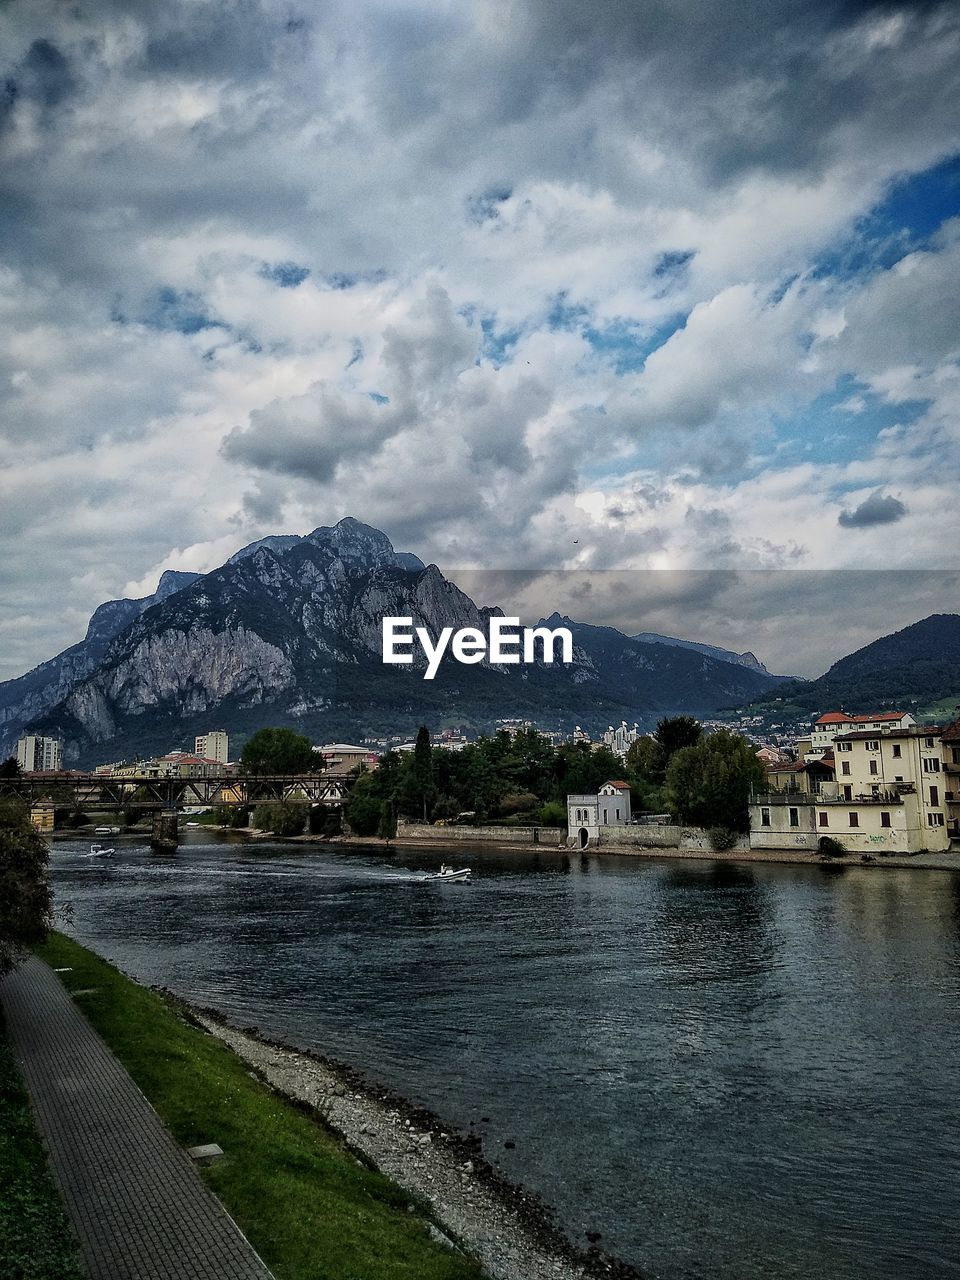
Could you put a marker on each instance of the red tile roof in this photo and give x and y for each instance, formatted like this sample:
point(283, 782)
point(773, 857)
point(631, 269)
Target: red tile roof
point(841, 717)
point(621, 786)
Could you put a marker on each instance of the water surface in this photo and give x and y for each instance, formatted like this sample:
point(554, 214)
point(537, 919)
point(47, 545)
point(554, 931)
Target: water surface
point(728, 1071)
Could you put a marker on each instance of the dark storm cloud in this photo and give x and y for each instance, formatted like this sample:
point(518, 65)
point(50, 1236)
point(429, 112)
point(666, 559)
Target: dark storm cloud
point(879, 508)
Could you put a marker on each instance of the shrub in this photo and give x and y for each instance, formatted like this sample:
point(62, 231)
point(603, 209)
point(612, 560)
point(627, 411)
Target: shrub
point(25, 903)
point(828, 847)
point(280, 819)
point(722, 839)
point(552, 814)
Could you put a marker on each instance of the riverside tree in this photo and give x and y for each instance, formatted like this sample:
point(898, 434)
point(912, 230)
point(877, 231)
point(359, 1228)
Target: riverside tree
point(277, 750)
point(26, 912)
point(709, 784)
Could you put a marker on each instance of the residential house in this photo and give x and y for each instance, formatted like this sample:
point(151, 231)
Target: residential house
point(588, 814)
point(888, 796)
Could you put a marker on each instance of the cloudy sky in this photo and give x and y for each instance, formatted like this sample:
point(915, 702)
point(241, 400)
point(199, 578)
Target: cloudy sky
point(529, 284)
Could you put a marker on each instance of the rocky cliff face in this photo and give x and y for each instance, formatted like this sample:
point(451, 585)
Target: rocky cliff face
point(289, 630)
point(32, 696)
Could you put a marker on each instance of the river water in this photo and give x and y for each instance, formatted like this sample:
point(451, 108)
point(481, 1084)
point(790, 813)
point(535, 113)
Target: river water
point(728, 1071)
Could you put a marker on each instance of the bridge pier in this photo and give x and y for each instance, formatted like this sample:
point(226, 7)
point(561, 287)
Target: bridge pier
point(165, 835)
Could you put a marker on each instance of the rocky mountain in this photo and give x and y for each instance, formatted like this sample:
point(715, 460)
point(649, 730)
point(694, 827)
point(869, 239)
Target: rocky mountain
point(747, 659)
point(288, 631)
point(913, 667)
point(32, 695)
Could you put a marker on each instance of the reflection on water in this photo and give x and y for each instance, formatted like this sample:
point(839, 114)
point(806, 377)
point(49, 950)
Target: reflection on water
point(728, 1070)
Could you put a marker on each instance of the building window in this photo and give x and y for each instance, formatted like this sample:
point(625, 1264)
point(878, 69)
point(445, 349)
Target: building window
point(897, 751)
point(931, 764)
point(874, 767)
point(844, 746)
point(764, 817)
point(934, 819)
point(956, 755)
point(873, 745)
point(929, 742)
point(794, 817)
point(934, 795)
point(845, 768)
point(823, 820)
point(854, 819)
point(618, 813)
point(848, 793)
point(885, 820)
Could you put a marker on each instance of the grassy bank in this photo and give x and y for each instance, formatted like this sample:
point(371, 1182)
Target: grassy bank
point(35, 1238)
point(308, 1208)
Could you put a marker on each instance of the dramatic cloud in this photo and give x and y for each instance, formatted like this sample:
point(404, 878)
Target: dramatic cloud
point(527, 283)
point(879, 508)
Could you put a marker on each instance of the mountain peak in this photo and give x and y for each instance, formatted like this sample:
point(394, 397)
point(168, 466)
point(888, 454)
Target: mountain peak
point(351, 539)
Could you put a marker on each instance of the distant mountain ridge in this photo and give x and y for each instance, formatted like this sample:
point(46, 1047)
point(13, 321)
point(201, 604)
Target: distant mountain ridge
point(288, 631)
point(918, 665)
point(747, 659)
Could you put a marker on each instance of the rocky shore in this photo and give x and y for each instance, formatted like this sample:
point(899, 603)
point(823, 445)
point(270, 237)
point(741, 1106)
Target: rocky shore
point(466, 1201)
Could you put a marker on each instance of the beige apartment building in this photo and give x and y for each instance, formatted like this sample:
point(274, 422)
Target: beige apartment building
point(889, 796)
point(214, 745)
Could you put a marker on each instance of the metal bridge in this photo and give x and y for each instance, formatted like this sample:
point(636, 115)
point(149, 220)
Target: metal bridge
point(95, 791)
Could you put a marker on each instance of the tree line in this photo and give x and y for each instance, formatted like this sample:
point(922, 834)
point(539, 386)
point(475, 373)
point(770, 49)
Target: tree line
point(700, 779)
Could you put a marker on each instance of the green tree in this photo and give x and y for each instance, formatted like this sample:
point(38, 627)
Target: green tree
point(280, 819)
point(277, 750)
point(363, 807)
point(10, 768)
point(709, 784)
point(387, 826)
point(26, 911)
point(644, 760)
point(423, 787)
point(673, 733)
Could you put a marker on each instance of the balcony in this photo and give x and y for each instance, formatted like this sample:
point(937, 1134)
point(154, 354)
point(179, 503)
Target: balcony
point(796, 799)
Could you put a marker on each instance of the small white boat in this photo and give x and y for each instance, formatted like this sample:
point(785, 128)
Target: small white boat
point(98, 851)
point(447, 873)
point(106, 831)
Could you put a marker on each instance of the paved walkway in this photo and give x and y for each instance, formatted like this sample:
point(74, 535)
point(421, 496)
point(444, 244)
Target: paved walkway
point(139, 1207)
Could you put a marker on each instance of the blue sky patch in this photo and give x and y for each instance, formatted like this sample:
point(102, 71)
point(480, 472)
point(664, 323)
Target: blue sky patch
point(912, 211)
point(184, 312)
point(286, 274)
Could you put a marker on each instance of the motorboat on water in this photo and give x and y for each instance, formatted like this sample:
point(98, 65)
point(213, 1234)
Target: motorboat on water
point(106, 831)
point(98, 851)
point(447, 873)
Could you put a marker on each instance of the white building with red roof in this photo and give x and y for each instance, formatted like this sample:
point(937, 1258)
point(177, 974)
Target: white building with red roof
point(828, 727)
point(610, 807)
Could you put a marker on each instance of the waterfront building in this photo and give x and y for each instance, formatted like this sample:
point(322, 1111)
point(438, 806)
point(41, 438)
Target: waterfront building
point(951, 776)
point(214, 745)
point(340, 758)
point(831, 724)
point(36, 754)
point(806, 776)
point(175, 764)
point(587, 814)
point(887, 796)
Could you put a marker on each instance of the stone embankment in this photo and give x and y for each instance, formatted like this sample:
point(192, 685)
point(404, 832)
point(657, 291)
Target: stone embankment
point(508, 1230)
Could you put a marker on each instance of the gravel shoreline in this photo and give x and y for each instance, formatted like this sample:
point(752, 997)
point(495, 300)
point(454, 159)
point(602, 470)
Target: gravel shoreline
point(508, 1230)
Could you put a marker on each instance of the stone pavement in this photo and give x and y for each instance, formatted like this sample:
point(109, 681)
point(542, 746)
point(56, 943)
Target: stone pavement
point(139, 1208)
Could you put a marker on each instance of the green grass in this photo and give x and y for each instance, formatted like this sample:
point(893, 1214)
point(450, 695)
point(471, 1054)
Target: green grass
point(309, 1209)
point(941, 712)
point(35, 1238)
